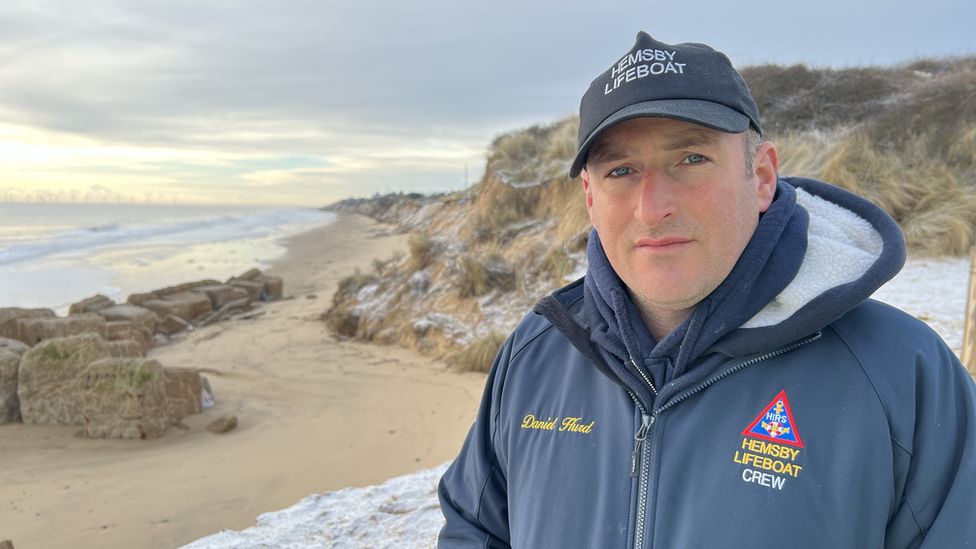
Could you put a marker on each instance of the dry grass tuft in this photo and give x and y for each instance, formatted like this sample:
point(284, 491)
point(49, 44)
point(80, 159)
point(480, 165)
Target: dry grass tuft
point(937, 213)
point(515, 157)
point(351, 284)
point(422, 251)
point(534, 155)
point(480, 275)
point(805, 153)
point(384, 267)
point(499, 206)
point(341, 317)
point(479, 355)
point(521, 165)
point(562, 144)
point(946, 230)
point(556, 266)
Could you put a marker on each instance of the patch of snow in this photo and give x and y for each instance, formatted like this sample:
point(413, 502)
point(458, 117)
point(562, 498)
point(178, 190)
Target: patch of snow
point(419, 282)
point(206, 398)
point(401, 513)
point(367, 292)
point(516, 184)
point(527, 226)
point(538, 175)
point(447, 324)
point(932, 290)
point(372, 302)
point(579, 267)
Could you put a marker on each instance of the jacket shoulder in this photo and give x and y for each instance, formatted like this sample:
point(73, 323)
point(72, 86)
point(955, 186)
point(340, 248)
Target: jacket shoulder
point(876, 329)
point(893, 346)
point(535, 324)
point(905, 360)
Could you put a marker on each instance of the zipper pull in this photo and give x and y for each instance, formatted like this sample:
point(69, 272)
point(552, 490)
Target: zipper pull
point(639, 437)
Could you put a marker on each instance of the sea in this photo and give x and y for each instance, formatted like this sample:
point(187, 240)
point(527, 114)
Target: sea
point(53, 255)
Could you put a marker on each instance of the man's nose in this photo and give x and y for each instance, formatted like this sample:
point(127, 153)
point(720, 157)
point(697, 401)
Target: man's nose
point(656, 200)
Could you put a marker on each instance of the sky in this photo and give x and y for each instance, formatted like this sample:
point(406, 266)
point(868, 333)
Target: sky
point(307, 102)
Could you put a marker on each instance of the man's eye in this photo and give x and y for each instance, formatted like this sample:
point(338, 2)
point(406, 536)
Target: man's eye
point(620, 172)
point(694, 159)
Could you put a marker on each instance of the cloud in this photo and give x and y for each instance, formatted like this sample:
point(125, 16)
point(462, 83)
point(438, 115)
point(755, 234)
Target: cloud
point(226, 89)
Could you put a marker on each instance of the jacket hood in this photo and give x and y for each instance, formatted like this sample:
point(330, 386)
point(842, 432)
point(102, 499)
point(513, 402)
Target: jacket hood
point(851, 248)
point(818, 252)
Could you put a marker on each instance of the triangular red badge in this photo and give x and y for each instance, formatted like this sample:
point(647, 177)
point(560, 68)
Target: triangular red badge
point(775, 423)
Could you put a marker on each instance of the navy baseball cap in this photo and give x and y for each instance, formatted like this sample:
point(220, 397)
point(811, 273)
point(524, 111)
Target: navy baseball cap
point(690, 82)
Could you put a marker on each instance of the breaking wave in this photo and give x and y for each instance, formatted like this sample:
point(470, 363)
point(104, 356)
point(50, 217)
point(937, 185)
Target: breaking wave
point(196, 230)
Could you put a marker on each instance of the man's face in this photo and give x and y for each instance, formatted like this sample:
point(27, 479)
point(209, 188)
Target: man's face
point(674, 206)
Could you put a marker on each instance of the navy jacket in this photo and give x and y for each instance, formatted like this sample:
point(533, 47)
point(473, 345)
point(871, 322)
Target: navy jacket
point(788, 410)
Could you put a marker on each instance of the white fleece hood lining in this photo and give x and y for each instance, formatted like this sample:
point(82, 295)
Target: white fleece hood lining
point(841, 247)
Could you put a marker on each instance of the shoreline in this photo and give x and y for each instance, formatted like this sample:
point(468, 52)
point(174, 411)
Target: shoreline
point(315, 415)
point(117, 256)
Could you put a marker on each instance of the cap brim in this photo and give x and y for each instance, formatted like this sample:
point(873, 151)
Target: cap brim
point(705, 113)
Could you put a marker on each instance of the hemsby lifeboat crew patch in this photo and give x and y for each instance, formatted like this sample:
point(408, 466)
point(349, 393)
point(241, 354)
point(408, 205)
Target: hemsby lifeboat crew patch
point(775, 423)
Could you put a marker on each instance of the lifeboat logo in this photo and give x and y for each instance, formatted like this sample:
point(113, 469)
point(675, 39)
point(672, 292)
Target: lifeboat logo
point(775, 423)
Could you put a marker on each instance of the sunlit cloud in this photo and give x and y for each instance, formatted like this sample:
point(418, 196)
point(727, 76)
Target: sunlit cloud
point(44, 165)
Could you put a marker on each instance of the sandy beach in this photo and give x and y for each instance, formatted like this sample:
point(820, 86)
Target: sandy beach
point(316, 414)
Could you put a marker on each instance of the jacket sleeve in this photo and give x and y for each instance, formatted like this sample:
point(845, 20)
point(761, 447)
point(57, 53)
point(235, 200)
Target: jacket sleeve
point(473, 492)
point(937, 505)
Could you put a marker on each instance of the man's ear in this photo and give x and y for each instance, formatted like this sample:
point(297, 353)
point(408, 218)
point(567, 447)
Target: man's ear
point(765, 166)
point(588, 192)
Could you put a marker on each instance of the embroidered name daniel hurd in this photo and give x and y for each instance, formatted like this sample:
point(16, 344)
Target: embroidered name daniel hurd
point(568, 424)
point(640, 64)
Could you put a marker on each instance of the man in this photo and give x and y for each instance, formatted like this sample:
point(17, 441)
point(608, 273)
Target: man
point(719, 378)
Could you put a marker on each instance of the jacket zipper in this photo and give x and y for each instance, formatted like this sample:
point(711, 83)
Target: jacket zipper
point(647, 421)
point(638, 464)
point(640, 371)
point(643, 476)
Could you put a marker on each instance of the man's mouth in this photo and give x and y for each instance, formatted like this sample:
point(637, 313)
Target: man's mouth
point(662, 243)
